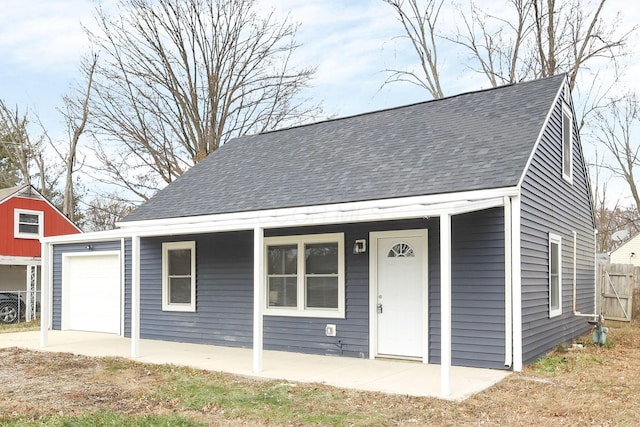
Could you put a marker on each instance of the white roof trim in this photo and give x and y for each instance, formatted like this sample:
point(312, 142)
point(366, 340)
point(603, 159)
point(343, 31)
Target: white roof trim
point(379, 210)
point(344, 207)
point(542, 129)
point(19, 260)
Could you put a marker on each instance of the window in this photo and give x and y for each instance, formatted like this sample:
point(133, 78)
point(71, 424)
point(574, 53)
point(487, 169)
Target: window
point(178, 276)
point(555, 275)
point(305, 275)
point(567, 144)
point(27, 224)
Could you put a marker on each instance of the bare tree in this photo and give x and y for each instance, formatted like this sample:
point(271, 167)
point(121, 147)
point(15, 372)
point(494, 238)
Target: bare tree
point(76, 115)
point(9, 173)
point(569, 35)
point(530, 39)
point(177, 79)
point(498, 45)
point(14, 140)
point(23, 152)
point(616, 130)
point(104, 211)
point(420, 29)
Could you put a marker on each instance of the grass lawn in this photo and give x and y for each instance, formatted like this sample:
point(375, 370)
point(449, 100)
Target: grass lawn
point(588, 386)
point(34, 325)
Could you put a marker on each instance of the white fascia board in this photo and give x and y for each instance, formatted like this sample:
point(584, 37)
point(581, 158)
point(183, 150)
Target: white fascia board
point(379, 210)
point(323, 209)
point(542, 129)
point(19, 260)
point(95, 236)
point(324, 218)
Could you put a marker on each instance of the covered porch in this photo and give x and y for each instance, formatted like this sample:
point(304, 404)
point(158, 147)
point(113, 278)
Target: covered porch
point(377, 375)
point(441, 379)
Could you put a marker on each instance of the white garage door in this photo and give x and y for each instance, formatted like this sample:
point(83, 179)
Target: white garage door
point(92, 293)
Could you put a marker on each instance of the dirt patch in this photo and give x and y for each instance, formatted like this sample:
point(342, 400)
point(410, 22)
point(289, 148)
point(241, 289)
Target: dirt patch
point(588, 386)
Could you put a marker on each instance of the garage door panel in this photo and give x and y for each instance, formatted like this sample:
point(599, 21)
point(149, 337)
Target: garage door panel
point(93, 293)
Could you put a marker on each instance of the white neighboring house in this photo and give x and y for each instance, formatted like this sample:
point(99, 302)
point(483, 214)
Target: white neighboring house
point(627, 253)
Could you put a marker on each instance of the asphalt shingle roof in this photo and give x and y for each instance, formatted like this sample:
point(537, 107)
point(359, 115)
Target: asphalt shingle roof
point(472, 141)
point(5, 193)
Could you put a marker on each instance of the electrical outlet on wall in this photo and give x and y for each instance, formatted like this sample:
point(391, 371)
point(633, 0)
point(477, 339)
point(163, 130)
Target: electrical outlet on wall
point(330, 330)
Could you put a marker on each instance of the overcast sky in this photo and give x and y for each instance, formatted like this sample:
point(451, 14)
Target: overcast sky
point(351, 42)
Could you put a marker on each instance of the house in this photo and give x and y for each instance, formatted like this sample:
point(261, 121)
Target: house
point(26, 216)
point(627, 253)
point(455, 231)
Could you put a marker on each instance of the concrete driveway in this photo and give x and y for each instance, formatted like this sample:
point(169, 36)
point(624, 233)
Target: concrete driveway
point(387, 376)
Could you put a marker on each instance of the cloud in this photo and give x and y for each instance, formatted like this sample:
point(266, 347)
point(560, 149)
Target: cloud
point(40, 34)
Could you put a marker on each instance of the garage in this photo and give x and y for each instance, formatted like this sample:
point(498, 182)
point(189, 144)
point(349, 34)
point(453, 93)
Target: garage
point(91, 292)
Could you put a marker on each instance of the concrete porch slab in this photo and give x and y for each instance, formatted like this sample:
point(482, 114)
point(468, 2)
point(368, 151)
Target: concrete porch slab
point(387, 376)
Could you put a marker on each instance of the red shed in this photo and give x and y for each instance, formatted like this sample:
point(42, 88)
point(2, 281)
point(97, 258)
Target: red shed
point(25, 217)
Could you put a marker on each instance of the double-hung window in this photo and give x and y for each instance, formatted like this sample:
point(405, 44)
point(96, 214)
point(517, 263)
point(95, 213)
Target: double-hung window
point(27, 224)
point(305, 275)
point(179, 276)
point(555, 275)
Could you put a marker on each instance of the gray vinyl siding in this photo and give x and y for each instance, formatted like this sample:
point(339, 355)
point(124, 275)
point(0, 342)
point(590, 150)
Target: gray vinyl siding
point(550, 204)
point(224, 292)
point(58, 251)
point(477, 290)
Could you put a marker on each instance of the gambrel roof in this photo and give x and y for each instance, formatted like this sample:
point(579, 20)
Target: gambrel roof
point(473, 141)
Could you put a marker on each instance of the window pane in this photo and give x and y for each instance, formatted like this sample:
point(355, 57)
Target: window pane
point(28, 228)
point(321, 258)
point(179, 262)
point(28, 218)
point(283, 291)
point(554, 259)
point(179, 290)
point(322, 292)
point(282, 259)
point(554, 276)
point(554, 292)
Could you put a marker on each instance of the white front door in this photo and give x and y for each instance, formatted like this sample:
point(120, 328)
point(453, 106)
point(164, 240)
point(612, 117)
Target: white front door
point(400, 293)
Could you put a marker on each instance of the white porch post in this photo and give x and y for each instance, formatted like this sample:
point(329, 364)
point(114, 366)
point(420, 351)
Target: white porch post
point(135, 296)
point(258, 292)
point(445, 304)
point(508, 299)
point(516, 284)
point(45, 307)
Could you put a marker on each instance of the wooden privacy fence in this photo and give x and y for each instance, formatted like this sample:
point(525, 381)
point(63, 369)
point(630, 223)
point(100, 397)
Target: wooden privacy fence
point(619, 292)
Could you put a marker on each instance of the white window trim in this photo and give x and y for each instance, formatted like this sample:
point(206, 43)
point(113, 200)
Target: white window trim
point(555, 239)
point(300, 310)
point(16, 224)
point(166, 247)
point(567, 111)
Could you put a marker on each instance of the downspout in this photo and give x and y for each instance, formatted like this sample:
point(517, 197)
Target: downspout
point(575, 279)
point(508, 307)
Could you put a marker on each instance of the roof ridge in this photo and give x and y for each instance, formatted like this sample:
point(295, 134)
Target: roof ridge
point(398, 107)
